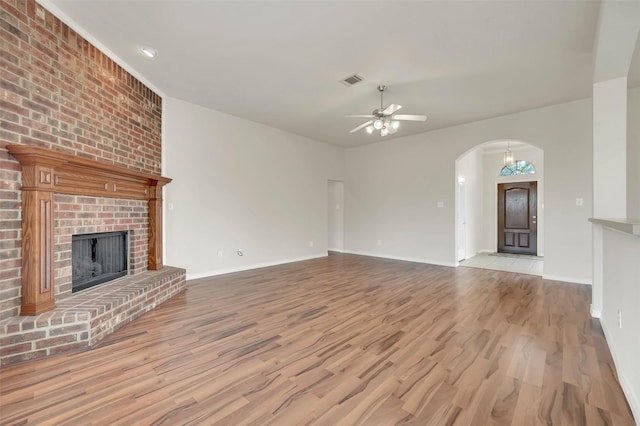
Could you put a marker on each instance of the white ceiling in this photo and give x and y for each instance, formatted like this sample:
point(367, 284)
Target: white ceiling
point(280, 63)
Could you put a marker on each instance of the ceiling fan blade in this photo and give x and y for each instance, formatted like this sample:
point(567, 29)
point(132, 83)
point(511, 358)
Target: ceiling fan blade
point(363, 125)
point(361, 115)
point(410, 117)
point(391, 109)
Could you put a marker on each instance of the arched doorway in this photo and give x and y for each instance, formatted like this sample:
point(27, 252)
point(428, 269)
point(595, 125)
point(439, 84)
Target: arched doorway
point(478, 181)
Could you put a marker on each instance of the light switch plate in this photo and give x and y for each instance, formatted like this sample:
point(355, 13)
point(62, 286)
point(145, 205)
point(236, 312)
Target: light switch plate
point(579, 202)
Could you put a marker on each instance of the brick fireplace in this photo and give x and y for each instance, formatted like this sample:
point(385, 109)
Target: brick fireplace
point(47, 174)
point(101, 197)
point(75, 108)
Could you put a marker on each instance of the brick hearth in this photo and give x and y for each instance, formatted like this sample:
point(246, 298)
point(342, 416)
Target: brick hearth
point(82, 320)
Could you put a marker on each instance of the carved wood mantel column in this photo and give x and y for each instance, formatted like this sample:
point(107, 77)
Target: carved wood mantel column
point(46, 173)
point(37, 237)
point(155, 233)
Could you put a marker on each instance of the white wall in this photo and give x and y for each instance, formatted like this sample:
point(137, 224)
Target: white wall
point(633, 153)
point(622, 292)
point(391, 195)
point(610, 148)
point(242, 185)
point(392, 188)
point(470, 167)
point(493, 163)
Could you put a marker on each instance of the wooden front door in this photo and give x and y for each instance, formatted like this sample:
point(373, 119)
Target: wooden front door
point(517, 218)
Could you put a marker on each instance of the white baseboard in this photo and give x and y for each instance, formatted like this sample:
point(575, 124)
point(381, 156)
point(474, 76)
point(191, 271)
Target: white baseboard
point(567, 279)
point(469, 256)
point(241, 268)
point(632, 398)
point(403, 258)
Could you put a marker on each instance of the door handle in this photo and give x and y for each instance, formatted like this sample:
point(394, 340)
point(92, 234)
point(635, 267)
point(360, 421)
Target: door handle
point(534, 221)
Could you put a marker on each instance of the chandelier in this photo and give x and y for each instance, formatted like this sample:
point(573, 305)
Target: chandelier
point(508, 158)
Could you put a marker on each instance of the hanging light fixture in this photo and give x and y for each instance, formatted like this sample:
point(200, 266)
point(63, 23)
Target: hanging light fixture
point(385, 120)
point(385, 125)
point(507, 159)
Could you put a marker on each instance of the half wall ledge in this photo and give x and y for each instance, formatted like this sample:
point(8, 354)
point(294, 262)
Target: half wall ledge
point(629, 226)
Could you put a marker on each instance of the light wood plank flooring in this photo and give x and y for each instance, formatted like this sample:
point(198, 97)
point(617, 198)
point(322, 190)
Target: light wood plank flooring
point(339, 341)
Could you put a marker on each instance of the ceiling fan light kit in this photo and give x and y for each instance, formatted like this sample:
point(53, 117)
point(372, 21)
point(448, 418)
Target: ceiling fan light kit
point(383, 119)
point(385, 126)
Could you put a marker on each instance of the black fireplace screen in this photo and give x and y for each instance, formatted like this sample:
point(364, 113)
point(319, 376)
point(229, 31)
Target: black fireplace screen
point(98, 258)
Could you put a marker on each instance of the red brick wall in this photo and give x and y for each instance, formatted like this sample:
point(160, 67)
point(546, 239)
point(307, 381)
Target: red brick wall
point(60, 92)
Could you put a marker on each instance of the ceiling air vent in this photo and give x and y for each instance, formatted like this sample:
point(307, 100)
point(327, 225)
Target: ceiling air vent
point(351, 80)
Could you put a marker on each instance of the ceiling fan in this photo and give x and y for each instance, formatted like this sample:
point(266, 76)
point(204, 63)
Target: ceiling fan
point(384, 119)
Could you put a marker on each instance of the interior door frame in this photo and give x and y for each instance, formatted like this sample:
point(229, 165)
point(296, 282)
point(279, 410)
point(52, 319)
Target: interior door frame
point(339, 229)
point(461, 234)
point(539, 209)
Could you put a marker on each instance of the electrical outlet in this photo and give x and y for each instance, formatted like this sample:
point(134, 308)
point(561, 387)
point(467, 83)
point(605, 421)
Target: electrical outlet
point(379, 242)
point(619, 318)
point(310, 243)
point(220, 253)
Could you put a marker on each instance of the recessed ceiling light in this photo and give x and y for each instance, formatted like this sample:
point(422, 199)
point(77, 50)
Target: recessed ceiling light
point(149, 51)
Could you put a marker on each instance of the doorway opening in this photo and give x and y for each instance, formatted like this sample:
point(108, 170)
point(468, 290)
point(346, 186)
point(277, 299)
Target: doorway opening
point(335, 212)
point(461, 219)
point(480, 238)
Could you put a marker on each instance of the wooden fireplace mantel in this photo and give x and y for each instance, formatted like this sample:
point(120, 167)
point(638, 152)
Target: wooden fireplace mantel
point(46, 173)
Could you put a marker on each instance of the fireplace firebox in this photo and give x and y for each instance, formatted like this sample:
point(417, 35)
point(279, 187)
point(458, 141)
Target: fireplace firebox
point(98, 258)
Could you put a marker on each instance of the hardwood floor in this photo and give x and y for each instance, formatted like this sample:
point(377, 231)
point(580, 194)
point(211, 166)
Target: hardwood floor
point(339, 341)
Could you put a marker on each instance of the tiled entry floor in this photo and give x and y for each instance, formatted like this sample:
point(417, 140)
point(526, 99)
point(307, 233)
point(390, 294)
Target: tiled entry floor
point(532, 266)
